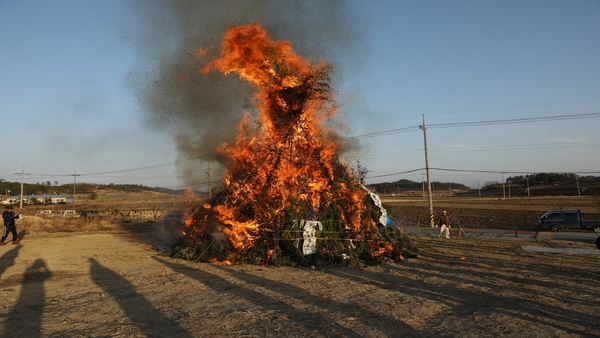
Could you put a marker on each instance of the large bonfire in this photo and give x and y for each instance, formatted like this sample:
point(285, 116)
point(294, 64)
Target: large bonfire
point(288, 199)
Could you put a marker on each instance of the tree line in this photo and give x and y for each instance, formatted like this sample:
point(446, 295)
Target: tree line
point(550, 179)
point(404, 185)
point(47, 188)
point(538, 179)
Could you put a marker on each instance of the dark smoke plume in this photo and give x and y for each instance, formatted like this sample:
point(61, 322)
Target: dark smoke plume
point(202, 111)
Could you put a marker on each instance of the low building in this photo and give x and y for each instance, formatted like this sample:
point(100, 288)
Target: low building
point(41, 199)
point(10, 201)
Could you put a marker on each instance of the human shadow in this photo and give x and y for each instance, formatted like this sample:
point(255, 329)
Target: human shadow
point(25, 319)
point(141, 312)
point(301, 316)
point(384, 323)
point(504, 271)
point(21, 235)
point(468, 301)
point(9, 257)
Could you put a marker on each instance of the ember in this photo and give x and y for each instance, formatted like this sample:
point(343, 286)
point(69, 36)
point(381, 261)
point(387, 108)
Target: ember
point(287, 197)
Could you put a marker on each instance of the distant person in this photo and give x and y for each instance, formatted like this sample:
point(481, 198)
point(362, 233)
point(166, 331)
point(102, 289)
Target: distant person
point(9, 225)
point(444, 224)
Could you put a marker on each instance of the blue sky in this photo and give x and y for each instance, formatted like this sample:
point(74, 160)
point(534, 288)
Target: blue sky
point(68, 105)
point(484, 61)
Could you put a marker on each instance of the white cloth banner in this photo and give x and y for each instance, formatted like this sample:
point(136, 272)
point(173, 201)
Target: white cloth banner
point(309, 245)
point(383, 219)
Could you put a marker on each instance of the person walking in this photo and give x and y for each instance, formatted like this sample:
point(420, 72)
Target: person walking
point(9, 225)
point(444, 224)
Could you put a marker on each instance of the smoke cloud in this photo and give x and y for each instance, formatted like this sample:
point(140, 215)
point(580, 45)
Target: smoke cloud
point(201, 111)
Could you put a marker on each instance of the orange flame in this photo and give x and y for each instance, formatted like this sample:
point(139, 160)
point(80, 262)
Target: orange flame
point(283, 162)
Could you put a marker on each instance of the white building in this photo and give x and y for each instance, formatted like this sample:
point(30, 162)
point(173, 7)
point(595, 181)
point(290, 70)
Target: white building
point(41, 199)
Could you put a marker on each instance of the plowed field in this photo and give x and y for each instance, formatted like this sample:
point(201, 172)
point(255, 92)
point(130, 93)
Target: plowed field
point(493, 213)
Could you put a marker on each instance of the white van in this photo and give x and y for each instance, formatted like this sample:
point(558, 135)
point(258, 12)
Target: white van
point(10, 201)
point(68, 213)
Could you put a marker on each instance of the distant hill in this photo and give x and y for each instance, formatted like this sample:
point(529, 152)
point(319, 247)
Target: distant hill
point(46, 188)
point(404, 186)
point(541, 184)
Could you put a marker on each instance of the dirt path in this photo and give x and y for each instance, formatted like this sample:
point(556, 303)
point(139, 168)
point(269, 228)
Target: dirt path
point(115, 285)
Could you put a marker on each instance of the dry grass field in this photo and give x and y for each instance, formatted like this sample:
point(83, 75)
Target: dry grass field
point(103, 277)
point(489, 212)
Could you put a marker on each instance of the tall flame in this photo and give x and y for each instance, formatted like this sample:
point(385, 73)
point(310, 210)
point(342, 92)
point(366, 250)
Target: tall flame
point(283, 164)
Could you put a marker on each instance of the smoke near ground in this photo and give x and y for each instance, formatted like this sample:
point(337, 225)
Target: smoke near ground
point(201, 111)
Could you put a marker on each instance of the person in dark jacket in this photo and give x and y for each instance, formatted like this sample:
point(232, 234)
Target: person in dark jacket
point(444, 224)
point(9, 225)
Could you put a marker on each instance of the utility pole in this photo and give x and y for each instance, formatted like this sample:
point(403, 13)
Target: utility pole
point(22, 179)
point(74, 185)
point(528, 195)
point(578, 191)
point(431, 216)
point(503, 191)
point(423, 184)
point(478, 188)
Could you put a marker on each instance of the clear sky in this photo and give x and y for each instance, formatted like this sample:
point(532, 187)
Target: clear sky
point(503, 86)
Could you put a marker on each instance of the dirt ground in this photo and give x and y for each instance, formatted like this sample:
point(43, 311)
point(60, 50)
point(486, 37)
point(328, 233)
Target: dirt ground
point(100, 280)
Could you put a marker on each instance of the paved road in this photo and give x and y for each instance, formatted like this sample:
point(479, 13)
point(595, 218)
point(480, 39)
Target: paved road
point(584, 236)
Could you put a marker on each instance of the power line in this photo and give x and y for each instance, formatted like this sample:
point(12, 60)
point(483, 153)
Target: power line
point(398, 173)
point(380, 133)
point(154, 166)
point(514, 107)
point(488, 148)
point(512, 121)
point(107, 174)
point(491, 109)
point(472, 171)
point(482, 123)
point(388, 132)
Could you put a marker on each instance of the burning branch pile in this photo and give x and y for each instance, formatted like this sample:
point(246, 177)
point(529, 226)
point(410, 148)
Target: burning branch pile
point(288, 199)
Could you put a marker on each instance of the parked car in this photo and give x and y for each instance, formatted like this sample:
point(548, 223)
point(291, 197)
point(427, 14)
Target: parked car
point(44, 212)
point(556, 220)
point(68, 213)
